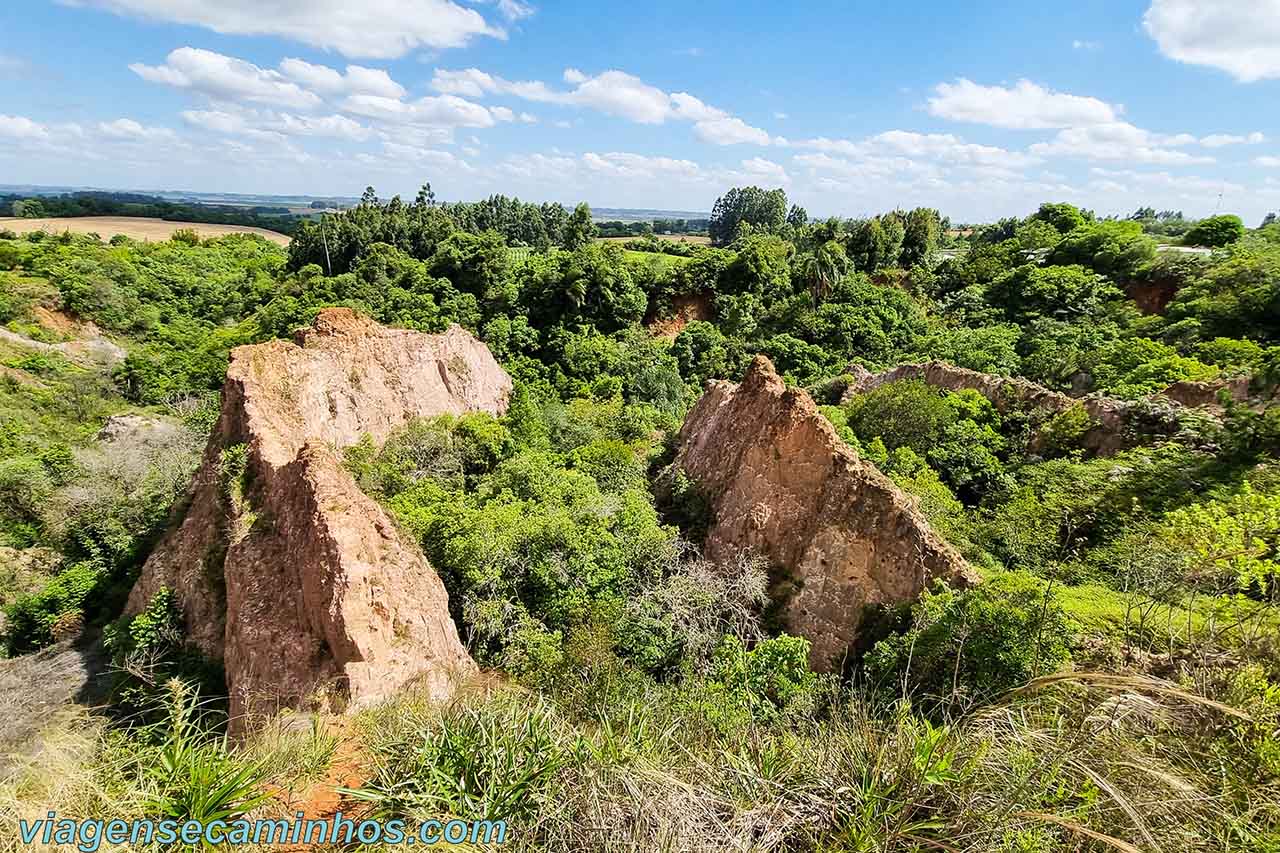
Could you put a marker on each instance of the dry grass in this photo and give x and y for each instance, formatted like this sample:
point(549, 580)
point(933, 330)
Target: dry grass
point(139, 228)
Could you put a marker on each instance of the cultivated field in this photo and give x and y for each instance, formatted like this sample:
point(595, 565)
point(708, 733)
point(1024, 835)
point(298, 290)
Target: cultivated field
point(675, 238)
point(136, 227)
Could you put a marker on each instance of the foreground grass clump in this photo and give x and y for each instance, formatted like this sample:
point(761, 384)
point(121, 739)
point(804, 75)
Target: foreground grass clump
point(1064, 764)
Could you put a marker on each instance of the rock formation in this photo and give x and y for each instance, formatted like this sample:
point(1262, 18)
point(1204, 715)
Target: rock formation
point(1112, 417)
point(780, 481)
point(284, 570)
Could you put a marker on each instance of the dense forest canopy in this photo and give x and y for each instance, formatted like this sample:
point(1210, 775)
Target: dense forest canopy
point(573, 566)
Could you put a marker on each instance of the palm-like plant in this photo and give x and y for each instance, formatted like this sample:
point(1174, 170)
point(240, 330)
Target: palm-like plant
point(822, 269)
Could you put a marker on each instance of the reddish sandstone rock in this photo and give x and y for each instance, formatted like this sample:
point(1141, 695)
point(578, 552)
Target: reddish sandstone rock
point(289, 574)
point(780, 481)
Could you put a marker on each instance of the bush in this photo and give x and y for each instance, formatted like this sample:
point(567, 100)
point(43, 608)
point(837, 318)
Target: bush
point(32, 618)
point(964, 647)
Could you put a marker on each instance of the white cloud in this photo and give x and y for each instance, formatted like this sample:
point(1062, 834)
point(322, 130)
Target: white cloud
point(336, 126)
point(1241, 38)
point(128, 129)
point(617, 93)
point(780, 116)
point(1120, 141)
point(379, 29)
point(226, 78)
point(1218, 140)
point(614, 93)
point(1187, 187)
point(436, 111)
point(270, 126)
point(528, 118)
point(949, 149)
point(766, 170)
point(357, 80)
point(474, 83)
point(729, 131)
point(1080, 44)
point(896, 149)
point(21, 127)
point(1268, 161)
point(1025, 106)
point(514, 10)
point(625, 165)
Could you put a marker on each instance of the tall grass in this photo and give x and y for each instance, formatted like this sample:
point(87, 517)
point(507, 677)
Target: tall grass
point(1067, 763)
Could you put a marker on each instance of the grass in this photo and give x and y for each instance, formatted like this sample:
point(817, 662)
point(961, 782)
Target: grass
point(1063, 765)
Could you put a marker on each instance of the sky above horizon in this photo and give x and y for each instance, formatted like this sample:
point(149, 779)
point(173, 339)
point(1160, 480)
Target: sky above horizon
point(981, 110)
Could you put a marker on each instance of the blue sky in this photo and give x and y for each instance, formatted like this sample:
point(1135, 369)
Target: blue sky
point(981, 110)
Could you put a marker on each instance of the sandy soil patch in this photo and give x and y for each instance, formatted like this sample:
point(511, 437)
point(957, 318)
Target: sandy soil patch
point(139, 228)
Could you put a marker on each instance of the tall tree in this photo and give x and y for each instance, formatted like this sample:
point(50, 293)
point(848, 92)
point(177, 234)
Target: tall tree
point(579, 231)
point(763, 211)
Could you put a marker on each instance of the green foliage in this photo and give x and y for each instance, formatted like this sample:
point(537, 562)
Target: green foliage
point(772, 679)
point(1064, 217)
point(195, 776)
point(1116, 249)
point(964, 647)
point(1228, 543)
point(759, 210)
point(30, 621)
point(1055, 292)
point(1215, 232)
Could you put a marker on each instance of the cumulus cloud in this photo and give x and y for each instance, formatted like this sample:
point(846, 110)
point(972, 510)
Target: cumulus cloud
point(22, 128)
point(226, 78)
point(356, 80)
point(1024, 106)
point(377, 29)
point(766, 170)
point(435, 111)
point(1242, 39)
point(128, 129)
point(1218, 140)
point(614, 93)
point(901, 150)
point(1120, 141)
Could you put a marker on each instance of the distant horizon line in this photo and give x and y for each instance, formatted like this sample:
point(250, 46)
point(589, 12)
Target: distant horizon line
point(51, 189)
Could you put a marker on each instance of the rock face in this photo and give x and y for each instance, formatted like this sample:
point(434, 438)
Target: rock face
point(1112, 418)
point(779, 480)
point(284, 570)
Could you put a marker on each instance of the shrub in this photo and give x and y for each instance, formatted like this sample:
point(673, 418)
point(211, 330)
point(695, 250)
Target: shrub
point(964, 647)
point(31, 618)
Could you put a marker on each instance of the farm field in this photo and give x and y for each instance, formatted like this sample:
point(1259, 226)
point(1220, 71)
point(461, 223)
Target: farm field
point(700, 239)
point(136, 227)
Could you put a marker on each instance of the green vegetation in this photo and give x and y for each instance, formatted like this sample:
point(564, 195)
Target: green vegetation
point(1113, 681)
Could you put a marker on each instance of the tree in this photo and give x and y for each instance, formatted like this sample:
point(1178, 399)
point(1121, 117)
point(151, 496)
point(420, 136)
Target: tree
point(797, 216)
point(1215, 232)
point(1062, 216)
point(1116, 248)
point(822, 269)
point(923, 228)
point(579, 230)
point(762, 210)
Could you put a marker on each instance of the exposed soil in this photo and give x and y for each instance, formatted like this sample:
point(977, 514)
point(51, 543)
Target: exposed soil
point(139, 228)
point(685, 309)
